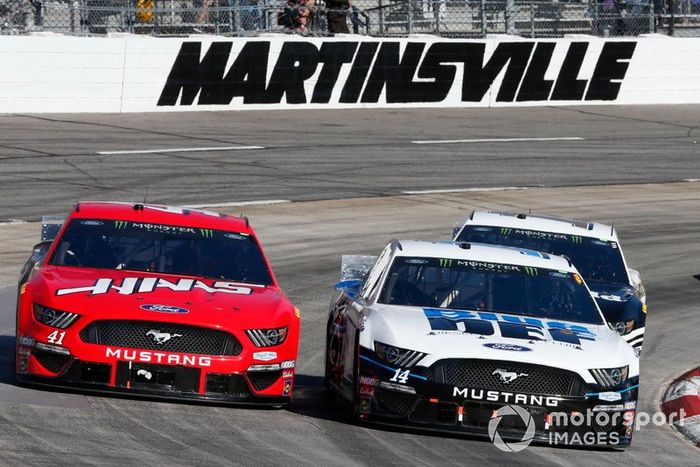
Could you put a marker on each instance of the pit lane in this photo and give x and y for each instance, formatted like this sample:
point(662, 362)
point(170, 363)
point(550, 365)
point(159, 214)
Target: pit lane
point(657, 223)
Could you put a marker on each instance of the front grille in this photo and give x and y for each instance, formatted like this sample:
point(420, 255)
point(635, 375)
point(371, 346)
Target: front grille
point(263, 379)
point(168, 337)
point(483, 374)
point(53, 362)
point(396, 403)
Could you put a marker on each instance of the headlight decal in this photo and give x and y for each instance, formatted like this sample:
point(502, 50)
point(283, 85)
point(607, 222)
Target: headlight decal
point(267, 337)
point(402, 358)
point(610, 377)
point(54, 318)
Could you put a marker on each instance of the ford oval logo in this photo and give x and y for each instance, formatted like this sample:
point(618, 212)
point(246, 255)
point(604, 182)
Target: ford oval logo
point(511, 347)
point(165, 309)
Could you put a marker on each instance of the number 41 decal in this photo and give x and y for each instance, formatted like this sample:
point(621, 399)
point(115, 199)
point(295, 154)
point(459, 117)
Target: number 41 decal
point(400, 375)
point(56, 337)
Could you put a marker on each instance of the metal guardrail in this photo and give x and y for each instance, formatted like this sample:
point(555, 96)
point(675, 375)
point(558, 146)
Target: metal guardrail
point(449, 18)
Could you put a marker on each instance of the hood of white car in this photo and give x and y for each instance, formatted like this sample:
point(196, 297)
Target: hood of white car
point(442, 333)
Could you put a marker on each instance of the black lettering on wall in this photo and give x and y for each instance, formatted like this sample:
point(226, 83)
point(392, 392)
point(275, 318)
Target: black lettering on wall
point(396, 75)
point(297, 63)
point(434, 67)
point(568, 87)
point(609, 68)
point(478, 79)
point(246, 77)
point(358, 72)
point(190, 75)
point(333, 55)
point(534, 86)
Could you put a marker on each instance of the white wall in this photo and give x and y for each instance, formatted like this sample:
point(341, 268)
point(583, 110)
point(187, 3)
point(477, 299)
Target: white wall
point(126, 73)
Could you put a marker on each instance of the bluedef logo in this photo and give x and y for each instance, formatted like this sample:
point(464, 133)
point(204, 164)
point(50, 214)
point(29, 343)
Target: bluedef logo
point(375, 67)
point(485, 323)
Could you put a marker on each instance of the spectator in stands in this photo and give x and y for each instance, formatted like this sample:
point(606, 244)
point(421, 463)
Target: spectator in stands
point(337, 12)
point(14, 14)
point(297, 15)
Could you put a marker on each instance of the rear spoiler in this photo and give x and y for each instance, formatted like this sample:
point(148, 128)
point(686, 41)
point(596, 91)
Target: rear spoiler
point(50, 226)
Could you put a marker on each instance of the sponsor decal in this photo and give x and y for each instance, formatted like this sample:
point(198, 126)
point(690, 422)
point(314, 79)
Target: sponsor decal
point(287, 387)
point(146, 374)
point(145, 356)
point(133, 285)
point(161, 338)
point(287, 374)
point(26, 341)
point(164, 309)
point(505, 397)
point(483, 323)
point(264, 356)
point(610, 396)
point(368, 381)
point(91, 223)
point(236, 236)
point(385, 70)
point(23, 289)
point(506, 376)
point(297, 312)
point(509, 347)
point(608, 408)
point(120, 225)
point(445, 263)
point(287, 364)
point(417, 261)
point(206, 233)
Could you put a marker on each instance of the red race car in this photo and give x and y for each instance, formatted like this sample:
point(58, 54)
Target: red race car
point(155, 300)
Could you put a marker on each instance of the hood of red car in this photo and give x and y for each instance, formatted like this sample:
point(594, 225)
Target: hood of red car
point(119, 294)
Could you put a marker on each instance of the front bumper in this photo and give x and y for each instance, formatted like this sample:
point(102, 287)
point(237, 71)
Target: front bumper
point(234, 380)
point(586, 420)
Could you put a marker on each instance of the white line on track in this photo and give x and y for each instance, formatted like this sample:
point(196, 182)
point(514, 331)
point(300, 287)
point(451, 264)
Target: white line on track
point(239, 203)
point(497, 140)
point(155, 151)
point(467, 190)
point(691, 179)
point(13, 222)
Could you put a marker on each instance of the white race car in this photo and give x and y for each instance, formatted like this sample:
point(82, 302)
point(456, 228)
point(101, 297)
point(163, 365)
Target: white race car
point(441, 335)
point(594, 249)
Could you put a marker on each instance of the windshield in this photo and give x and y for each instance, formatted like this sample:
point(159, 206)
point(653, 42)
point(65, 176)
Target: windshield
point(139, 246)
point(482, 286)
point(596, 260)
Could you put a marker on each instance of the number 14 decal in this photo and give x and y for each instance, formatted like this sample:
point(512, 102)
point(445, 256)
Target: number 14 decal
point(56, 337)
point(400, 375)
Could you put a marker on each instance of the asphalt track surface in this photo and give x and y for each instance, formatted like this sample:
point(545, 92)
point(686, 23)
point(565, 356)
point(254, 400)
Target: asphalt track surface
point(360, 162)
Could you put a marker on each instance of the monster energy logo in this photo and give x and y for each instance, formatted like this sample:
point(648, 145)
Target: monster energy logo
point(576, 239)
point(206, 233)
point(506, 230)
point(530, 271)
point(120, 224)
point(445, 263)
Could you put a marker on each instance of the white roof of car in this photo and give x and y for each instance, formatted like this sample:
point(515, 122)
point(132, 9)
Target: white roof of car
point(543, 223)
point(482, 252)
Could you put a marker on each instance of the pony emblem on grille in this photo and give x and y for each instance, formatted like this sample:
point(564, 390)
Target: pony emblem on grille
point(507, 376)
point(161, 337)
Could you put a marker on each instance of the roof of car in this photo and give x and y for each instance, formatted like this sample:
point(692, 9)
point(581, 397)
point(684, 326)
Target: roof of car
point(482, 252)
point(170, 215)
point(544, 223)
